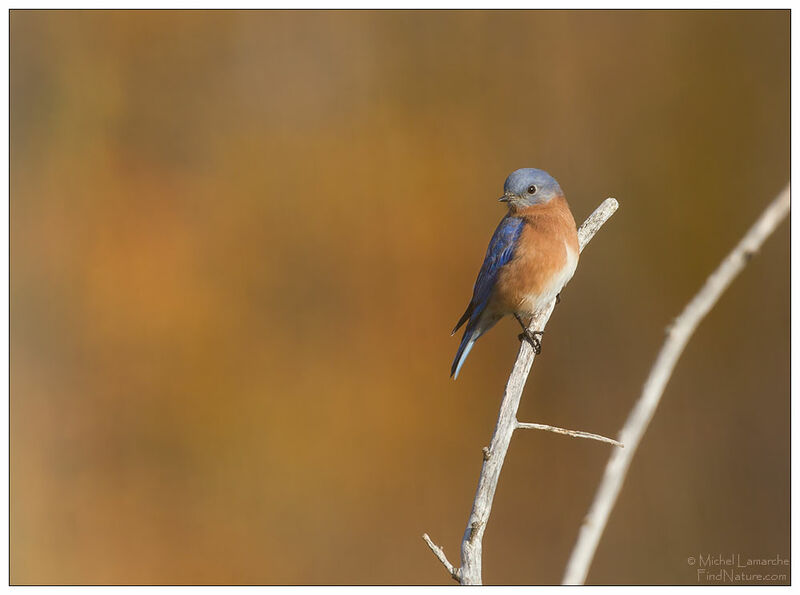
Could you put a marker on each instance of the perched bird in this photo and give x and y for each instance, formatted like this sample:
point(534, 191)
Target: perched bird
point(532, 255)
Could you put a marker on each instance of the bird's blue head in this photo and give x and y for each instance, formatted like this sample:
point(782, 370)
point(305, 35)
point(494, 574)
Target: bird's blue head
point(528, 186)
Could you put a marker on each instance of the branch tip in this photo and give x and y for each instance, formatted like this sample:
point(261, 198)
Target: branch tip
point(439, 553)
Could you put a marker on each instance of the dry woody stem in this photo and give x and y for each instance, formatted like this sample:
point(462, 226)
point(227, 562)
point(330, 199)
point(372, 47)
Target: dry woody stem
point(639, 418)
point(494, 456)
point(573, 433)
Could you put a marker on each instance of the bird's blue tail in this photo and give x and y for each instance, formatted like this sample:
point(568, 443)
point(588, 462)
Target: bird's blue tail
point(467, 341)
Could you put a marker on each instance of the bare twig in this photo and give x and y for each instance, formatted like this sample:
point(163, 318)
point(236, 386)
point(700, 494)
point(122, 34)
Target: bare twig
point(439, 553)
point(573, 433)
point(493, 457)
point(678, 336)
point(472, 542)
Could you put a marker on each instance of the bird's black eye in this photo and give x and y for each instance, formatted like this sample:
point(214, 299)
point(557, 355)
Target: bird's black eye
point(531, 189)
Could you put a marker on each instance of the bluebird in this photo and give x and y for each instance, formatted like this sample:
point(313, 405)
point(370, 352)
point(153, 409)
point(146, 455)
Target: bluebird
point(532, 255)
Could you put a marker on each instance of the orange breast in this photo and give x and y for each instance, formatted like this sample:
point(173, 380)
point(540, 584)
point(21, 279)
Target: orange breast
point(544, 259)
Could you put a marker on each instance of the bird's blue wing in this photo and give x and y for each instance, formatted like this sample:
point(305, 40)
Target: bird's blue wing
point(500, 252)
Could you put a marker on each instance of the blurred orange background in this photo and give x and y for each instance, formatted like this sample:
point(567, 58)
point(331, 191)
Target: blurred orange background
point(239, 241)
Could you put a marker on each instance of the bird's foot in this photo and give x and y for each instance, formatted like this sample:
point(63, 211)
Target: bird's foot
point(531, 337)
point(558, 299)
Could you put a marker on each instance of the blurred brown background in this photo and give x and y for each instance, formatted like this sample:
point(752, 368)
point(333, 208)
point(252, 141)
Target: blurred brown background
point(240, 241)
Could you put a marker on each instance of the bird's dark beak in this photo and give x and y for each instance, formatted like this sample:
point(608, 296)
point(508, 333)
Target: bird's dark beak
point(505, 198)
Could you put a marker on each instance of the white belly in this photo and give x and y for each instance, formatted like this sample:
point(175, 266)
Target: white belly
point(534, 303)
